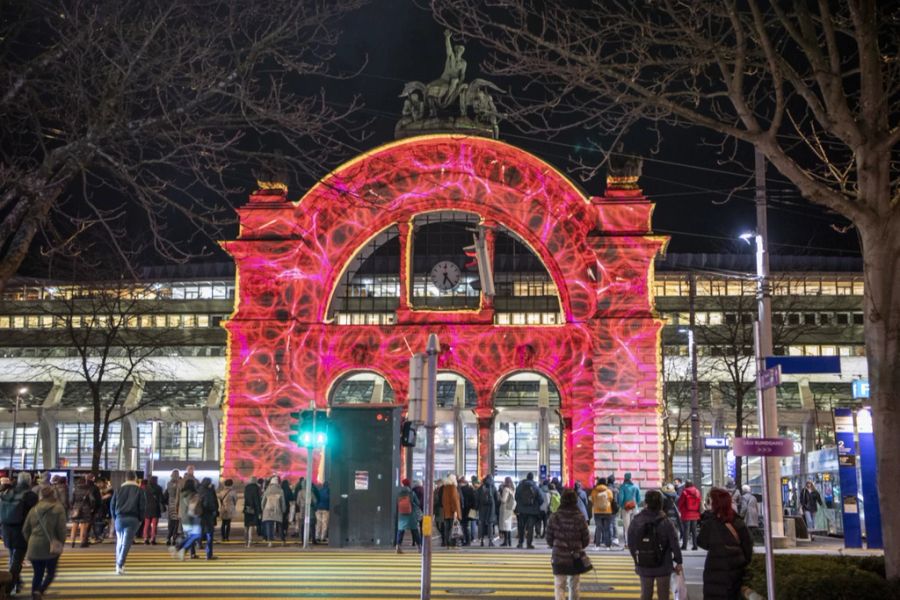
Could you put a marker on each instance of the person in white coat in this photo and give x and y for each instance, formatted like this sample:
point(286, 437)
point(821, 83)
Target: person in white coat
point(749, 510)
point(507, 511)
point(273, 507)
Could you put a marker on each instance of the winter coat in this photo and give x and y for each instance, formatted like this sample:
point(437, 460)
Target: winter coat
point(555, 499)
point(467, 499)
point(129, 501)
point(688, 514)
point(750, 510)
point(289, 495)
point(507, 509)
point(726, 559)
point(629, 492)
point(62, 494)
point(568, 535)
point(810, 500)
point(450, 504)
point(210, 507)
point(227, 503)
point(184, 514)
point(408, 522)
point(252, 500)
point(323, 498)
point(12, 532)
point(419, 491)
point(486, 500)
point(522, 507)
point(595, 504)
point(84, 503)
point(153, 501)
point(53, 517)
point(170, 497)
point(545, 504)
point(665, 534)
point(273, 505)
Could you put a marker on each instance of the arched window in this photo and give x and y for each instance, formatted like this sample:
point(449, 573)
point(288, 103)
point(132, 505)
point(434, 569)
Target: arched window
point(362, 387)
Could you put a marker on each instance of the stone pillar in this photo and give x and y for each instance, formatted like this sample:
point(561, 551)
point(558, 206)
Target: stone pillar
point(485, 417)
point(211, 422)
point(47, 437)
point(128, 440)
point(544, 425)
point(459, 434)
point(630, 442)
point(405, 238)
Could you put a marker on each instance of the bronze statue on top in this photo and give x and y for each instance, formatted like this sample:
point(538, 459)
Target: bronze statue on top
point(430, 108)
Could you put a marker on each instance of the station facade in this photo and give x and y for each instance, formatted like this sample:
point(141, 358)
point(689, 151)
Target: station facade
point(337, 290)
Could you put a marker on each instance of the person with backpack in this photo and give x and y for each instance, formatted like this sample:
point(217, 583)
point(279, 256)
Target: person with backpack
point(84, 507)
point(810, 499)
point(486, 502)
point(170, 499)
point(613, 531)
point(507, 511)
point(689, 509)
point(729, 548)
point(670, 506)
point(153, 501)
point(408, 511)
point(15, 504)
point(555, 498)
point(45, 530)
point(653, 544)
point(208, 515)
point(128, 508)
point(190, 508)
point(601, 503)
point(451, 511)
point(529, 499)
point(629, 498)
point(273, 507)
point(568, 536)
point(252, 509)
point(227, 507)
point(469, 513)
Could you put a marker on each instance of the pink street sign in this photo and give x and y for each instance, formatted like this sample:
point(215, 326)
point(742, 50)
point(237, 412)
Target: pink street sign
point(763, 447)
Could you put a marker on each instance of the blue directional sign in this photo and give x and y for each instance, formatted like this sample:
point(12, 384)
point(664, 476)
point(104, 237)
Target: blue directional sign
point(860, 388)
point(846, 445)
point(805, 364)
point(869, 476)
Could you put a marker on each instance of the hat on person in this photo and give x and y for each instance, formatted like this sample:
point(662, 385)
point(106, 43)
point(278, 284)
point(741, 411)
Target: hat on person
point(669, 488)
point(628, 476)
point(405, 482)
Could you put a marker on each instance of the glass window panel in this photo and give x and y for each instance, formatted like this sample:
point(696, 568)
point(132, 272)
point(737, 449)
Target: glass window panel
point(858, 288)
point(829, 287)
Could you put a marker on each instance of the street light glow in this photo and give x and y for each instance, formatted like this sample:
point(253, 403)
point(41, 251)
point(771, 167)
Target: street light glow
point(23, 390)
point(747, 236)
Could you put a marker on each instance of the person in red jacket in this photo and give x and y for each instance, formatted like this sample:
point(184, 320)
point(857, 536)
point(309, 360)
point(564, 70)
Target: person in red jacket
point(689, 506)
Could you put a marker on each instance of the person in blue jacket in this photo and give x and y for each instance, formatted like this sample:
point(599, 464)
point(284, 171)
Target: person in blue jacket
point(629, 499)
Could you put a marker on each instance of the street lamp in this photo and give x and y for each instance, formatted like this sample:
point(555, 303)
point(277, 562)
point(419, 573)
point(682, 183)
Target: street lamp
point(12, 447)
point(696, 446)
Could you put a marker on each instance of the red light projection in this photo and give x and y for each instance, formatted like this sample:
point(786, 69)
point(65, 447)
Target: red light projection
point(599, 252)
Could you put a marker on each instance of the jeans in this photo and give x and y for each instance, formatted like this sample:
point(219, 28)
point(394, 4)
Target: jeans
point(689, 527)
point(467, 535)
point(526, 528)
point(44, 572)
point(126, 527)
point(601, 530)
point(208, 536)
point(226, 529)
point(561, 582)
point(269, 530)
point(662, 587)
point(150, 525)
point(473, 529)
point(416, 536)
point(16, 558)
point(172, 532)
point(810, 519)
point(191, 537)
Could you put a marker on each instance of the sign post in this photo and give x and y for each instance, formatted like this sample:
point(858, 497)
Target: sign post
point(846, 447)
point(432, 351)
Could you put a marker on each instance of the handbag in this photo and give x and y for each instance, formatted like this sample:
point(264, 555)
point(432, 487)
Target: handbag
point(56, 546)
point(456, 532)
point(679, 586)
point(473, 514)
point(581, 562)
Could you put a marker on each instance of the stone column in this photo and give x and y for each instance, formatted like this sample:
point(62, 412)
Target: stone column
point(405, 238)
point(485, 416)
point(459, 434)
point(544, 425)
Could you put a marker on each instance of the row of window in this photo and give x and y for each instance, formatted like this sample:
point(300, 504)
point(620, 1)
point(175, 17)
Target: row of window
point(388, 286)
point(668, 285)
point(66, 352)
point(500, 318)
point(778, 318)
point(790, 350)
point(206, 290)
point(152, 321)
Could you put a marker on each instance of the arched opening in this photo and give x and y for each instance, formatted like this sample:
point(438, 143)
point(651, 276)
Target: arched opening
point(456, 435)
point(361, 387)
point(527, 431)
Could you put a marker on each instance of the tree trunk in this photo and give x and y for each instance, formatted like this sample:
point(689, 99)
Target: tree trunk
point(738, 432)
point(669, 468)
point(881, 260)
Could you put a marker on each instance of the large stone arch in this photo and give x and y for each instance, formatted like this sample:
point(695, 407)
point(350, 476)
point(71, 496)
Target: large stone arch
point(292, 255)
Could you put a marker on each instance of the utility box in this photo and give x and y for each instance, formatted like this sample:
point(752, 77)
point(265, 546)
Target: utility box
point(362, 467)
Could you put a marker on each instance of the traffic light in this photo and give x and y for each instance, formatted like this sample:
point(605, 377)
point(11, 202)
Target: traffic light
point(297, 427)
point(408, 434)
point(310, 429)
point(478, 252)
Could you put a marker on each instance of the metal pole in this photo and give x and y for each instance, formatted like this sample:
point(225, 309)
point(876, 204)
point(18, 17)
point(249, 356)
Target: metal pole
point(428, 518)
point(769, 413)
point(154, 431)
point(767, 508)
point(12, 444)
point(696, 446)
point(309, 473)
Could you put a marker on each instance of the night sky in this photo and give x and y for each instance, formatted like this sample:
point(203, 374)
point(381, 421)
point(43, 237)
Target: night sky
point(398, 41)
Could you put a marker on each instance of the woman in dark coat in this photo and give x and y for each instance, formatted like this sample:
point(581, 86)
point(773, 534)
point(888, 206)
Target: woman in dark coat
point(653, 515)
point(153, 501)
point(729, 546)
point(487, 501)
point(252, 509)
point(210, 505)
point(568, 535)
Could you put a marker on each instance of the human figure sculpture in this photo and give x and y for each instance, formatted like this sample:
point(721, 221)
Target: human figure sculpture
point(454, 70)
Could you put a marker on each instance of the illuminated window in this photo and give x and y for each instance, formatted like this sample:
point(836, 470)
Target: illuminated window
point(844, 288)
point(795, 350)
point(534, 318)
point(858, 288)
point(173, 320)
point(159, 321)
point(31, 322)
point(829, 287)
point(704, 288)
point(518, 318)
point(202, 320)
point(673, 287)
point(503, 319)
point(146, 321)
point(734, 287)
point(551, 318)
point(716, 318)
point(5, 322)
point(811, 350)
point(189, 320)
point(829, 350)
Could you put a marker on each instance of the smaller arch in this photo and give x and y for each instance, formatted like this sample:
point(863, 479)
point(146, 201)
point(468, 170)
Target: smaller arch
point(561, 400)
point(446, 393)
point(355, 386)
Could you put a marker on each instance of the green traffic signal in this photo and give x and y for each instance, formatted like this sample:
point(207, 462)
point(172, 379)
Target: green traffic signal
point(310, 429)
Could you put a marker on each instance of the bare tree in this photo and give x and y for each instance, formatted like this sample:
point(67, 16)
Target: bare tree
point(814, 85)
point(156, 112)
point(676, 410)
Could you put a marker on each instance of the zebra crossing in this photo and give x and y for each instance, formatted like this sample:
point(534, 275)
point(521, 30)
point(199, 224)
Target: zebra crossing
point(290, 572)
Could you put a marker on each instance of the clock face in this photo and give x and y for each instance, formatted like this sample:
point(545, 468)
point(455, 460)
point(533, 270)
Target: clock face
point(445, 275)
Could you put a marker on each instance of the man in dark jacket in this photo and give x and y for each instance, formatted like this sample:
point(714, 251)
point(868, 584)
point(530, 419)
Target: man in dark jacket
point(648, 524)
point(323, 511)
point(128, 507)
point(14, 506)
point(487, 500)
point(528, 509)
point(810, 499)
point(467, 499)
point(210, 504)
point(252, 509)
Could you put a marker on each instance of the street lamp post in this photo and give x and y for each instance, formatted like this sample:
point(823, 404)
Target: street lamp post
point(696, 445)
point(432, 351)
point(12, 446)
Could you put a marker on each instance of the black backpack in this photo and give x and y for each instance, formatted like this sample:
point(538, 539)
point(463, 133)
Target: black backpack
point(12, 507)
point(529, 495)
point(648, 550)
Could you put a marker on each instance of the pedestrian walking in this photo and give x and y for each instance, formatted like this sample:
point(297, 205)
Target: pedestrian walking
point(689, 509)
point(62, 491)
point(726, 538)
point(305, 513)
point(750, 511)
point(629, 498)
point(613, 530)
point(190, 508)
point(252, 509)
point(153, 501)
point(273, 508)
point(227, 507)
point(128, 509)
point(653, 543)
point(84, 506)
point(209, 514)
point(541, 525)
point(568, 536)
point(15, 505)
point(408, 514)
point(507, 511)
point(582, 501)
point(288, 517)
point(170, 499)
point(810, 499)
point(670, 507)
point(451, 509)
point(554, 498)
point(529, 499)
point(323, 512)
point(487, 500)
point(45, 532)
point(601, 504)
